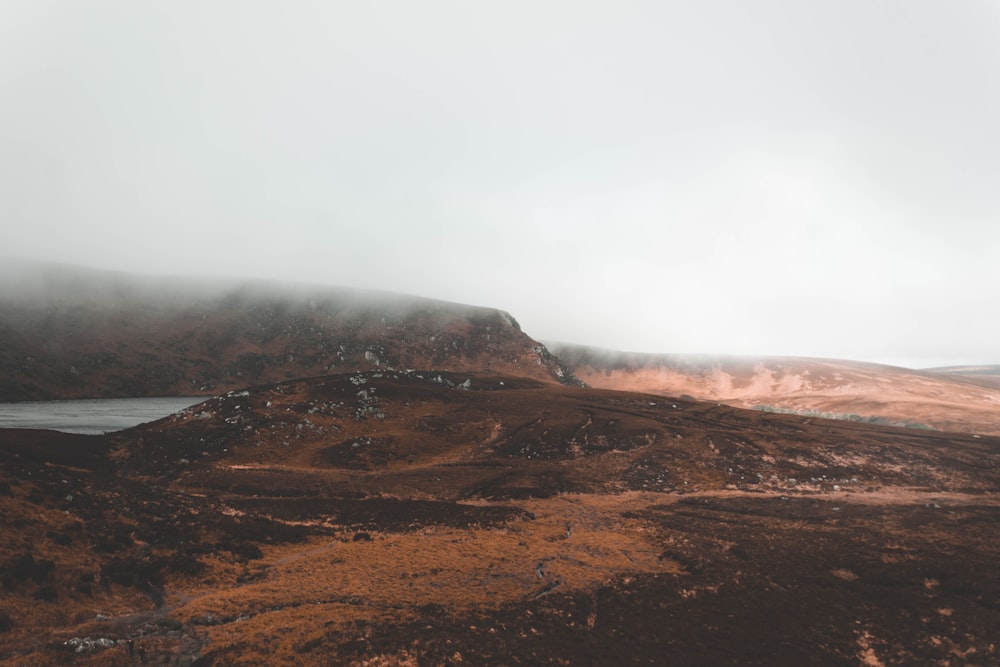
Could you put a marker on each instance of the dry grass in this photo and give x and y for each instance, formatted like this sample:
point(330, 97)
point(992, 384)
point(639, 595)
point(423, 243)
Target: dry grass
point(286, 527)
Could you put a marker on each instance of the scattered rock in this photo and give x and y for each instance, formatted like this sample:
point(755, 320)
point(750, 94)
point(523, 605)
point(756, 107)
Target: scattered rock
point(88, 645)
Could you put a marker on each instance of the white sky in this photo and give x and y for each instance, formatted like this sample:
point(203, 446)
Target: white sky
point(766, 177)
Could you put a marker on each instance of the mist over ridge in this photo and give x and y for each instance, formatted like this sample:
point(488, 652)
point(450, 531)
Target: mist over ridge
point(766, 233)
point(950, 399)
point(69, 333)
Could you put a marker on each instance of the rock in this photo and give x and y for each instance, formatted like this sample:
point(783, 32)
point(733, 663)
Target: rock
point(88, 645)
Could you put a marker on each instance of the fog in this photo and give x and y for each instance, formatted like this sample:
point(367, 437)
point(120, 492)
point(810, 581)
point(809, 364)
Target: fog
point(28, 286)
point(779, 178)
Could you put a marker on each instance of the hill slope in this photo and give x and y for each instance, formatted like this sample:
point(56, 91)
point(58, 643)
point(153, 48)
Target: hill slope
point(987, 376)
point(845, 389)
point(67, 332)
point(432, 518)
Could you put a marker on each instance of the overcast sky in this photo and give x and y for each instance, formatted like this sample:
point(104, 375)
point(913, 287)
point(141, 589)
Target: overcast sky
point(766, 177)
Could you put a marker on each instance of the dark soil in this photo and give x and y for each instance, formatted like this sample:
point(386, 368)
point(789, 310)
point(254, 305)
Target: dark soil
point(444, 518)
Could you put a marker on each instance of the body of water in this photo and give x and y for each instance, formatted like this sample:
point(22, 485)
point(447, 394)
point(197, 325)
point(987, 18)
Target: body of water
point(98, 415)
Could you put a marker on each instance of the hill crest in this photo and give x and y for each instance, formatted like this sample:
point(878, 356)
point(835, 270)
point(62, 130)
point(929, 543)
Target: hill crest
point(73, 333)
point(807, 386)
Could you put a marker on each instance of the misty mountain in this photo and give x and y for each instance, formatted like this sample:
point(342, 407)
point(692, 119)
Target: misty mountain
point(954, 399)
point(69, 332)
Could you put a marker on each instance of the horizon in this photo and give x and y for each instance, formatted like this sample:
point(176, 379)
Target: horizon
point(20, 268)
point(775, 179)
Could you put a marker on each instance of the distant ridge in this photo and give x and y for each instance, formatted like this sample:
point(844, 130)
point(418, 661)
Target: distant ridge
point(953, 400)
point(967, 370)
point(70, 332)
point(986, 375)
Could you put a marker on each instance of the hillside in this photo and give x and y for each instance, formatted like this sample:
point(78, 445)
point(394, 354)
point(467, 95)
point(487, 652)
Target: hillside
point(67, 332)
point(387, 518)
point(946, 401)
point(987, 376)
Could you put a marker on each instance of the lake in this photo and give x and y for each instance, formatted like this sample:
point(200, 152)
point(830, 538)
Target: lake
point(91, 416)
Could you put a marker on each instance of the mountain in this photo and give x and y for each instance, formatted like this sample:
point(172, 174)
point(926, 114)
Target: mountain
point(948, 401)
point(67, 332)
point(403, 518)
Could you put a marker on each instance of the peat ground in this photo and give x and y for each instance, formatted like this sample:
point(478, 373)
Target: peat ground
point(428, 518)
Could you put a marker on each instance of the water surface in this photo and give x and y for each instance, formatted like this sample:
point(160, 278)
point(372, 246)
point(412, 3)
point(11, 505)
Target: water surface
point(98, 415)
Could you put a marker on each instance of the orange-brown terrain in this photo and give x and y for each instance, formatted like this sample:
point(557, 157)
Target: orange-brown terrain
point(952, 399)
point(489, 512)
point(985, 375)
point(434, 518)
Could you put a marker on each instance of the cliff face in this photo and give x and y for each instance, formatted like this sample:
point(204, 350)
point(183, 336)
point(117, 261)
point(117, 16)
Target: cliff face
point(73, 333)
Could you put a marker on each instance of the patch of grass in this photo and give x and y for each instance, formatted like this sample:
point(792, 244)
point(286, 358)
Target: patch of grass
point(843, 416)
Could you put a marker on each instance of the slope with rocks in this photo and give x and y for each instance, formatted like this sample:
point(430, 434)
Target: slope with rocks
point(67, 332)
point(818, 387)
point(397, 518)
